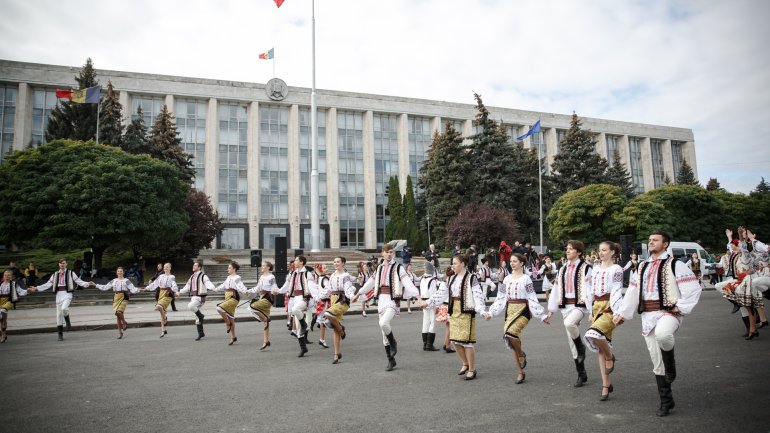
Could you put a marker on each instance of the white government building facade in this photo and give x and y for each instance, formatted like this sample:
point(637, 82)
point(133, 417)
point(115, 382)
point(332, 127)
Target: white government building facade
point(251, 146)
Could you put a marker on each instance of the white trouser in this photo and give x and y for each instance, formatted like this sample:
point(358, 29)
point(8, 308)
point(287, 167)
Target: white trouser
point(661, 338)
point(429, 320)
point(298, 307)
point(386, 316)
point(63, 300)
point(761, 283)
point(195, 303)
point(721, 286)
point(486, 287)
point(571, 325)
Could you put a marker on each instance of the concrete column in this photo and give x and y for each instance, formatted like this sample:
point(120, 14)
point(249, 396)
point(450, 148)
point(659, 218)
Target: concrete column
point(170, 104)
point(403, 151)
point(688, 150)
point(668, 160)
point(252, 155)
point(22, 119)
point(467, 131)
point(649, 179)
point(211, 183)
point(123, 99)
point(625, 151)
point(370, 214)
point(293, 175)
point(332, 178)
point(601, 146)
point(435, 126)
point(550, 142)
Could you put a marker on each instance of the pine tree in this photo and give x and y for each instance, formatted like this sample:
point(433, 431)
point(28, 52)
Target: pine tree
point(395, 227)
point(686, 176)
point(72, 120)
point(762, 188)
point(713, 185)
point(618, 175)
point(526, 195)
point(166, 145)
point(111, 118)
point(578, 164)
point(135, 138)
point(667, 180)
point(411, 223)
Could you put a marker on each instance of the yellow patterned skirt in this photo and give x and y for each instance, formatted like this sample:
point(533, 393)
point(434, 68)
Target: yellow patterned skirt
point(338, 308)
point(602, 326)
point(5, 303)
point(119, 302)
point(516, 319)
point(462, 326)
point(165, 297)
point(262, 305)
point(229, 304)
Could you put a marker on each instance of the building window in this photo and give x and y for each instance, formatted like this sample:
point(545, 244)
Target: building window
point(537, 143)
point(385, 165)
point(656, 152)
point(7, 113)
point(512, 131)
point(561, 136)
point(191, 124)
point(458, 125)
point(419, 143)
point(677, 156)
point(233, 143)
point(350, 147)
point(612, 146)
point(43, 102)
point(274, 163)
point(637, 175)
point(151, 106)
point(305, 163)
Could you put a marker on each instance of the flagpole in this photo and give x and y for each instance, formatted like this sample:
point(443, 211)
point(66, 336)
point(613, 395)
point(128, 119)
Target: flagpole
point(98, 109)
point(315, 225)
point(540, 186)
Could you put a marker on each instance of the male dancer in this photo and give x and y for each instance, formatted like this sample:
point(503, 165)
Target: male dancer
point(428, 286)
point(662, 290)
point(301, 287)
point(198, 285)
point(63, 281)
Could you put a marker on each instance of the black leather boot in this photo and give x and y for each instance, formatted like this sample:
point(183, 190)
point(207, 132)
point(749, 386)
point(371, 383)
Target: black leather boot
point(302, 347)
point(393, 347)
point(67, 321)
point(200, 331)
point(581, 349)
point(746, 323)
point(60, 330)
point(424, 341)
point(199, 315)
point(666, 397)
point(736, 307)
point(669, 364)
point(582, 376)
point(431, 340)
point(302, 328)
point(391, 359)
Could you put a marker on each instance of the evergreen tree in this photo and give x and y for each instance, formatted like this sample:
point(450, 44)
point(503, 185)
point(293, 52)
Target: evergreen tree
point(135, 138)
point(762, 188)
point(713, 185)
point(111, 118)
point(667, 180)
point(578, 164)
point(165, 144)
point(411, 223)
point(72, 120)
point(686, 176)
point(444, 180)
point(618, 175)
point(395, 227)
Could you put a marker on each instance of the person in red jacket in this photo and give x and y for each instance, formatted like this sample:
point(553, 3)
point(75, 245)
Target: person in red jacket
point(505, 255)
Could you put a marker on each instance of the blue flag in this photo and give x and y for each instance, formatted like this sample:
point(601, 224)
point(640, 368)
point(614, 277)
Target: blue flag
point(533, 130)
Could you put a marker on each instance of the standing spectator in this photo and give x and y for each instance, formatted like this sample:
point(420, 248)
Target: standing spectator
point(530, 253)
point(17, 275)
point(474, 256)
point(504, 253)
point(456, 250)
point(518, 249)
point(31, 273)
point(77, 267)
point(406, 256)
point(432, 256)
point(563, 261)
point(140, 270)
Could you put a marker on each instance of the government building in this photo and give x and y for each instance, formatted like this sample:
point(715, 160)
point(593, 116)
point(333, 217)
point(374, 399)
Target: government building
point(251, 146)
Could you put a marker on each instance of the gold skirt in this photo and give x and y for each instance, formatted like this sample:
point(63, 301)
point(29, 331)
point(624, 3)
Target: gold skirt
point(462, 326)
point(229, 304)
point(262, 305)
point(516, 319)
point(165, 297)
point(338, 308)
point(5, 303)
point(602, 315)
point(119, 302)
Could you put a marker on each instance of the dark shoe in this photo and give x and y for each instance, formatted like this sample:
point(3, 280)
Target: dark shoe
point(337, 358)
point(425, 341)
point(265, 345)
point(125, 325)
point(582, 375)
point(67, 321)
point(752, 336)
point(463, 370)
point(523, 361)
point(520, 381)
point(393, 346)
point(747, 324)
point(449, 349)
point(666, 398)
point(472, 375)
point(431, 339)
point(302, 348)
point(611, 369)
point(323, 344)
point(609, 389)
point(120, 336)
point(232, 340)
point(60, 330)
point(669, 364)
point(763, 324)
point(200, 332)
point(736, 307)
point(162, 334)
point(581, 349)
point(228, 328)
point(344, 334)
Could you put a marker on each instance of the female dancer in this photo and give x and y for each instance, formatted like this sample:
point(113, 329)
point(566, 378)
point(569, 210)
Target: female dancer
point(341, 291)
point(9, 295)
point(363, 276)
point(122, 287)
point(232, 287)
point(466, 301)
point(517, 297)
point(602, 300)
point(260, 307)
point(322, 305)
point(166, 286)
point(442, 315)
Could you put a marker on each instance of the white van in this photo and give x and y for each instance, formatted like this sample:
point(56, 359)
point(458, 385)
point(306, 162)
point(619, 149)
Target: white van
point(683, 251)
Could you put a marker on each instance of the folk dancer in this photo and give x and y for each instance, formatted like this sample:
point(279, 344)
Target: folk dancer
point(322, 305)
point(364, 273)
point(388, 285)
point(341, 291)
point(233, 287)
point(729, 263)
point(166, 289)
point(416, 282)
point(742, 290)
point(63, 281)
point(466, 300)
point(10, 291)
point(568, 296)
point(602, 300)
point(518, 299)
point(198, 285)
point(263, 300)
point(485, 278)
point(762, 278)
point(122, 287)
point(662, 291)
point(429, 284)
point(301, 287)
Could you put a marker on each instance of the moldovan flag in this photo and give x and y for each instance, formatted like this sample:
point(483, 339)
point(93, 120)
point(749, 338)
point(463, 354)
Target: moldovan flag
point(278, 3)
point(82, 96)
point(267, 54)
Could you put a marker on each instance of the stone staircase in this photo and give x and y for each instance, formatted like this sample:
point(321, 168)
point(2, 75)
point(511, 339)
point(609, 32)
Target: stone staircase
point(216, 261)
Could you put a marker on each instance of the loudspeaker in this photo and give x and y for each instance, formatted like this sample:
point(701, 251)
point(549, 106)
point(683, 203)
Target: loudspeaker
point(280, 279)
point(256, 258)
point(626, 245)
point(280, 256)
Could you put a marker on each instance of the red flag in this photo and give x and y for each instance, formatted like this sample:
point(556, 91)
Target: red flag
point(66, 94)
point(278, 3)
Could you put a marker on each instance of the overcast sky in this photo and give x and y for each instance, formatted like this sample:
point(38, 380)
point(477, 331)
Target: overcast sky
point(698, 64)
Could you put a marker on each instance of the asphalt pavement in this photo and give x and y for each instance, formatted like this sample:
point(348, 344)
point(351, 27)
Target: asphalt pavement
point(92, 382)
